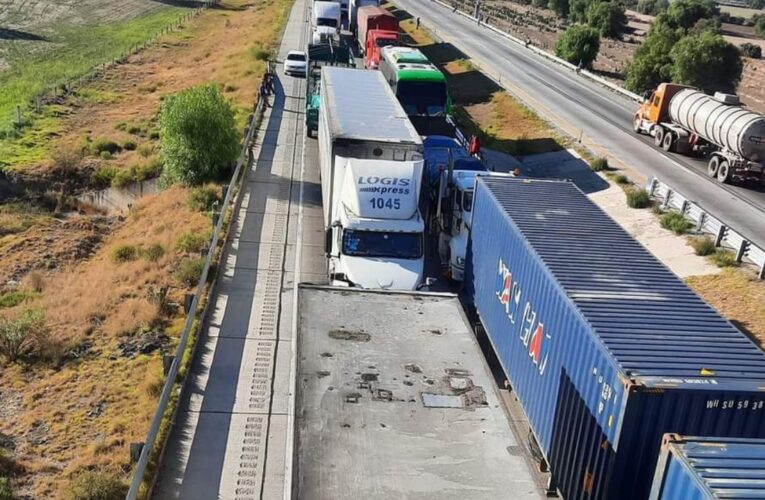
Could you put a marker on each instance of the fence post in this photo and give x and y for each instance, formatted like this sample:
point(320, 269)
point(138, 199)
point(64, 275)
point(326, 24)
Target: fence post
point(684, 207)
point(742, 248)
point(667, 198)
point(720, 235)
point(702, 219)
point(652, 186)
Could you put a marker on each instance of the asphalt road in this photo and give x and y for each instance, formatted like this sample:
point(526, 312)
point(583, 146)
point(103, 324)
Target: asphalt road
point(600, 116)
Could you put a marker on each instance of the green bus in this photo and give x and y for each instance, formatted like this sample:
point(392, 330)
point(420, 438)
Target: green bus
point(419, 86)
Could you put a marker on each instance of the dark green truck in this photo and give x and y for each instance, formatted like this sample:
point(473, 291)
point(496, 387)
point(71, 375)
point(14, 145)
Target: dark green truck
point(321, 55)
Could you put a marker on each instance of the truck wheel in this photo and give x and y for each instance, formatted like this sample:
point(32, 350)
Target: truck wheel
point(636, 125)
point(713, 167)
point(668, 142)
point(658, 138)
point(724, 173)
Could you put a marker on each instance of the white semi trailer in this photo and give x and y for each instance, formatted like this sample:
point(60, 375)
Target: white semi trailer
point(685, 120)
point(371, 175)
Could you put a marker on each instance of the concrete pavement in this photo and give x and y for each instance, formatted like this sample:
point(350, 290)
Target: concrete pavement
point(230, 434)
point(602, 118)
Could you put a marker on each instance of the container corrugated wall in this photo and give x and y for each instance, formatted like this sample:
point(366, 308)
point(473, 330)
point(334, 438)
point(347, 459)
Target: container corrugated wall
point(605, 348)
point(697, 468)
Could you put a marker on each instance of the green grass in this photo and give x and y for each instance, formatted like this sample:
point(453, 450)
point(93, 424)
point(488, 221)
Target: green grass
point(638, 198)
point(703, 246)
point(675, 222)
point(73, 55)
point(724, 258)
point(16, 297)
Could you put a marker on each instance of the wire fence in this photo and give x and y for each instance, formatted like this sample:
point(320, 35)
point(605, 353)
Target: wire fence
point(153, 447)
point(52, 93)
point(722, 234)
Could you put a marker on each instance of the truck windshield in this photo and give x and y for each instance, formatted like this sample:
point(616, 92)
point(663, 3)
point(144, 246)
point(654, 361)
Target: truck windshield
point(326, 21)
point(382, 244)
point(422, 98)
point(385, 42)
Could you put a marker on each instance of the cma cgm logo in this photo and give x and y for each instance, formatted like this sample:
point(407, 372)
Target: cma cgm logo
point(532, 331)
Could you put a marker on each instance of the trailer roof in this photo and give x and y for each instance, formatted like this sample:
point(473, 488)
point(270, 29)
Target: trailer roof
point(363, 107)
point(724, 467)
point(389, 402)
point(656, 328)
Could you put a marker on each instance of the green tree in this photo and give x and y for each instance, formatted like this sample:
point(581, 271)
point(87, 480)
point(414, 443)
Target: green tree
point(578, 10)
point(707, 61)
point(198, 135)
point(751, 50)
point(578, 45)
point(686, 13)
point(757, 4)
point(652, 62)
point(561, 7)
point(652, 7)
point(759, 25)
point(608, 18)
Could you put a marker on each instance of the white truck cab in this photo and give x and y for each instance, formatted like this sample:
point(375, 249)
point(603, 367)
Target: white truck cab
point(375, 239)
point(325, 22)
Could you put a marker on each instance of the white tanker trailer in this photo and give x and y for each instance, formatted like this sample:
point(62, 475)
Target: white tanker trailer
point(684, 120)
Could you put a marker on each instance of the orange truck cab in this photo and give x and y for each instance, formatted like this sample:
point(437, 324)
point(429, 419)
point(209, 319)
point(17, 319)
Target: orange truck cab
point(655, 109)
point(376, 40)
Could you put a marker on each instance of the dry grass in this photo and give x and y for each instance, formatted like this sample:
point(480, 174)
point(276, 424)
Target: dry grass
point(738, 296)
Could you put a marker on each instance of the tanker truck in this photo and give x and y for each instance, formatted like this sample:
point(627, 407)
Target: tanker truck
point(687, 121)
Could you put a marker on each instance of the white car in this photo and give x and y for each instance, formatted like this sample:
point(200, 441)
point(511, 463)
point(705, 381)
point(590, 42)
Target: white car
point(296, 63)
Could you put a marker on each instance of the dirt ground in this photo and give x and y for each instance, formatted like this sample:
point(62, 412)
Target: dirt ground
point(78, 405)
point(542, 27)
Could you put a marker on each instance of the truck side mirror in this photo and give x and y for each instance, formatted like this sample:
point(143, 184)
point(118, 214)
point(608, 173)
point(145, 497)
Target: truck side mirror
point(328, 241)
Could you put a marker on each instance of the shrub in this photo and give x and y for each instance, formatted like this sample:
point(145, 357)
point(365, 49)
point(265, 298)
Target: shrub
point(18, 335)
point(129, 145)
point(67, 159)
point(652, 7)
point(122, 178)
point(259, 53)
point(124, 253)
point(105, 155)
point(202, 198)
point(191, 242)
point(199, 137)
point(608, 18)
point(135, 130)
point(724, 258)
point(154, 252)
point(621, 179)
point(121, 126)
point(5, 489)
point(150, 170)
point(578, 45)
point(103, 177)
point(103, 144)
point(16, 297)
point(599, 164)
point(675, 222)
point(638, 198)
point(751, 50)
point(703, 246)
point(145, 150)
point(96, 486)
point(189, 271)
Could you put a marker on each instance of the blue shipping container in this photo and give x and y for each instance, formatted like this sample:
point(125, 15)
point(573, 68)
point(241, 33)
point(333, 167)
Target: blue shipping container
point(707, 468)
point(605, 348)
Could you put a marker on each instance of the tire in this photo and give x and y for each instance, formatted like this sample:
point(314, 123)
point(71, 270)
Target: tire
point(668, 143)
point(724, 173)
point(713, 166)
point(658, 138)
point(636, 125)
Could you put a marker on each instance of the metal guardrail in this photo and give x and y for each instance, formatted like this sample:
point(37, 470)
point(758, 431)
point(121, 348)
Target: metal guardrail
point(585, 73)
point(150, 445)
point(724, 235)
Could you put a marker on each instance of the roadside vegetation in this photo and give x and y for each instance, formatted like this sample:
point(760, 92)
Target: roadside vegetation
point(90, 302)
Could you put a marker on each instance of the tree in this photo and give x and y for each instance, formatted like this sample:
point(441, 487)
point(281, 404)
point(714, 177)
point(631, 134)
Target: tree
point(707, 61)
point(757, 4)
point(751, 50)
point(561, 7)
point(707, 24)
point(198, 135)
point(686, 13)
point(652, 7)
point(578, 45)
point(652, 62)
point(759, 25)
point(608, 18)
point(578, 10)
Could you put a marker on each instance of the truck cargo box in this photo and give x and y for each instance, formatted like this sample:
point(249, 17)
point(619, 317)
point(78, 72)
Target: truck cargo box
point(373, 17)
point(395, 400)
point(605, 348)
point(694, 468)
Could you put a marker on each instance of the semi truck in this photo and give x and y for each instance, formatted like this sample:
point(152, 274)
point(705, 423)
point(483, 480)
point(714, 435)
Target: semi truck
point(373, 17)
point(604, 347)
point(318, 56)
point(376, 40)
point(687, 121)
point(353, 12)
point(395, 400)
point(371, 175)
point(325, 22)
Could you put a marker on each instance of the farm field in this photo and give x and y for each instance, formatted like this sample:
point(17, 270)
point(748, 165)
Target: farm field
point(542, 27)
point(97, 280)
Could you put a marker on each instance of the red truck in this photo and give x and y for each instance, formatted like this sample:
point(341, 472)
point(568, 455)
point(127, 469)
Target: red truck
point(377, 39)
point(373, 18)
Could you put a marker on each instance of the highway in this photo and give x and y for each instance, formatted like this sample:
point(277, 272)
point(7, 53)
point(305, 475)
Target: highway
point(583, 108)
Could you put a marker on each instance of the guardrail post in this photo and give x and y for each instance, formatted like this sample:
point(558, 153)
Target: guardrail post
point(684, 207)
point(761, 274)
point(135, 451)
point(167, 363)
point(652, 186)
point(742, 248)
point(720, 235)
point(702, 219)
point(187, 300)
point(667, 198)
